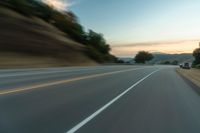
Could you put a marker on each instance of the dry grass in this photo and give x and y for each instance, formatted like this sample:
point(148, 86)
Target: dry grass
point(192, 75)
point(19, 60)
point(30, 42)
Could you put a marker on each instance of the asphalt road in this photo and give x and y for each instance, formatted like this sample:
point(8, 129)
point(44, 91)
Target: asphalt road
point(103, 99)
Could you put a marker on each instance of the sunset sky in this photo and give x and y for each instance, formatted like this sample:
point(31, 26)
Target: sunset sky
point(170, 26)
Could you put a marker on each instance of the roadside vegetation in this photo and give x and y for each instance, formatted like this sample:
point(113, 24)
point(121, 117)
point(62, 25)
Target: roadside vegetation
point(193, 74)
point(67, 22)
point(175, 62)
point(196, 54)
point(143, 56)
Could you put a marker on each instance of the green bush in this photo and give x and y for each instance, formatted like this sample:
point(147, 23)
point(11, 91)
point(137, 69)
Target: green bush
point(198, 66)
point(99, 57)
point(94, 54)
point(196, 54)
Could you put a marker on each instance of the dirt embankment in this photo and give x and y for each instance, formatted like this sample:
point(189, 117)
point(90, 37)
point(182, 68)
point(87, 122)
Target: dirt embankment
point(193, 75)
point(31, 42)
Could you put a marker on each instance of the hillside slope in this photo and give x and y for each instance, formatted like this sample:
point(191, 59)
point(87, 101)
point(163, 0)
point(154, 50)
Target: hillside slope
point(162, 57)
point(32, 42)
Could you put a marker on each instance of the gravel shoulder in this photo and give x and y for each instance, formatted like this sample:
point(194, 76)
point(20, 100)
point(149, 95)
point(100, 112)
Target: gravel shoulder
point(193, 75)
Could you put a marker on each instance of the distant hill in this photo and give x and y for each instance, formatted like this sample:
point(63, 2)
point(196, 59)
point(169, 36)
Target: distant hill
point(162, 57)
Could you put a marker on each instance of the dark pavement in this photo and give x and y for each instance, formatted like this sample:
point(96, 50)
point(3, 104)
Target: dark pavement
point(103, 99)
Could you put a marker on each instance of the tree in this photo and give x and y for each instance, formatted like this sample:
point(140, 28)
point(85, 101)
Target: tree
point(143, 56)
point(97, 41)
point(98, 48)
point(196, 55)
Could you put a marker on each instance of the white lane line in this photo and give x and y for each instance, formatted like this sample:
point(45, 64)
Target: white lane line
point(85, 121)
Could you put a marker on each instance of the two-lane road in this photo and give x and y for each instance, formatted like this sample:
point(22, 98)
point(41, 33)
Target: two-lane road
point(103, 99)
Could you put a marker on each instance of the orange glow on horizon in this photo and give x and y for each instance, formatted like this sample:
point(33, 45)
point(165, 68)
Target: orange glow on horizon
point(170, 48)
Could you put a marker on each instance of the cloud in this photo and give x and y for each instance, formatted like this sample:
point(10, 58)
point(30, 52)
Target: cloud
point(172, 42)
point(172, 47)
point(59, 4)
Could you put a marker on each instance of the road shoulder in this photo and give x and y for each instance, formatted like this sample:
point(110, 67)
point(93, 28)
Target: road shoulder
point(191, 76)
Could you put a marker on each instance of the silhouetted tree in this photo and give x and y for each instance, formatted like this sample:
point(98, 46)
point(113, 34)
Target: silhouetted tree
point(143, 56)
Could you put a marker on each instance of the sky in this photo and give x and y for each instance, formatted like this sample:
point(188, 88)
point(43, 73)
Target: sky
point(168, 26)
